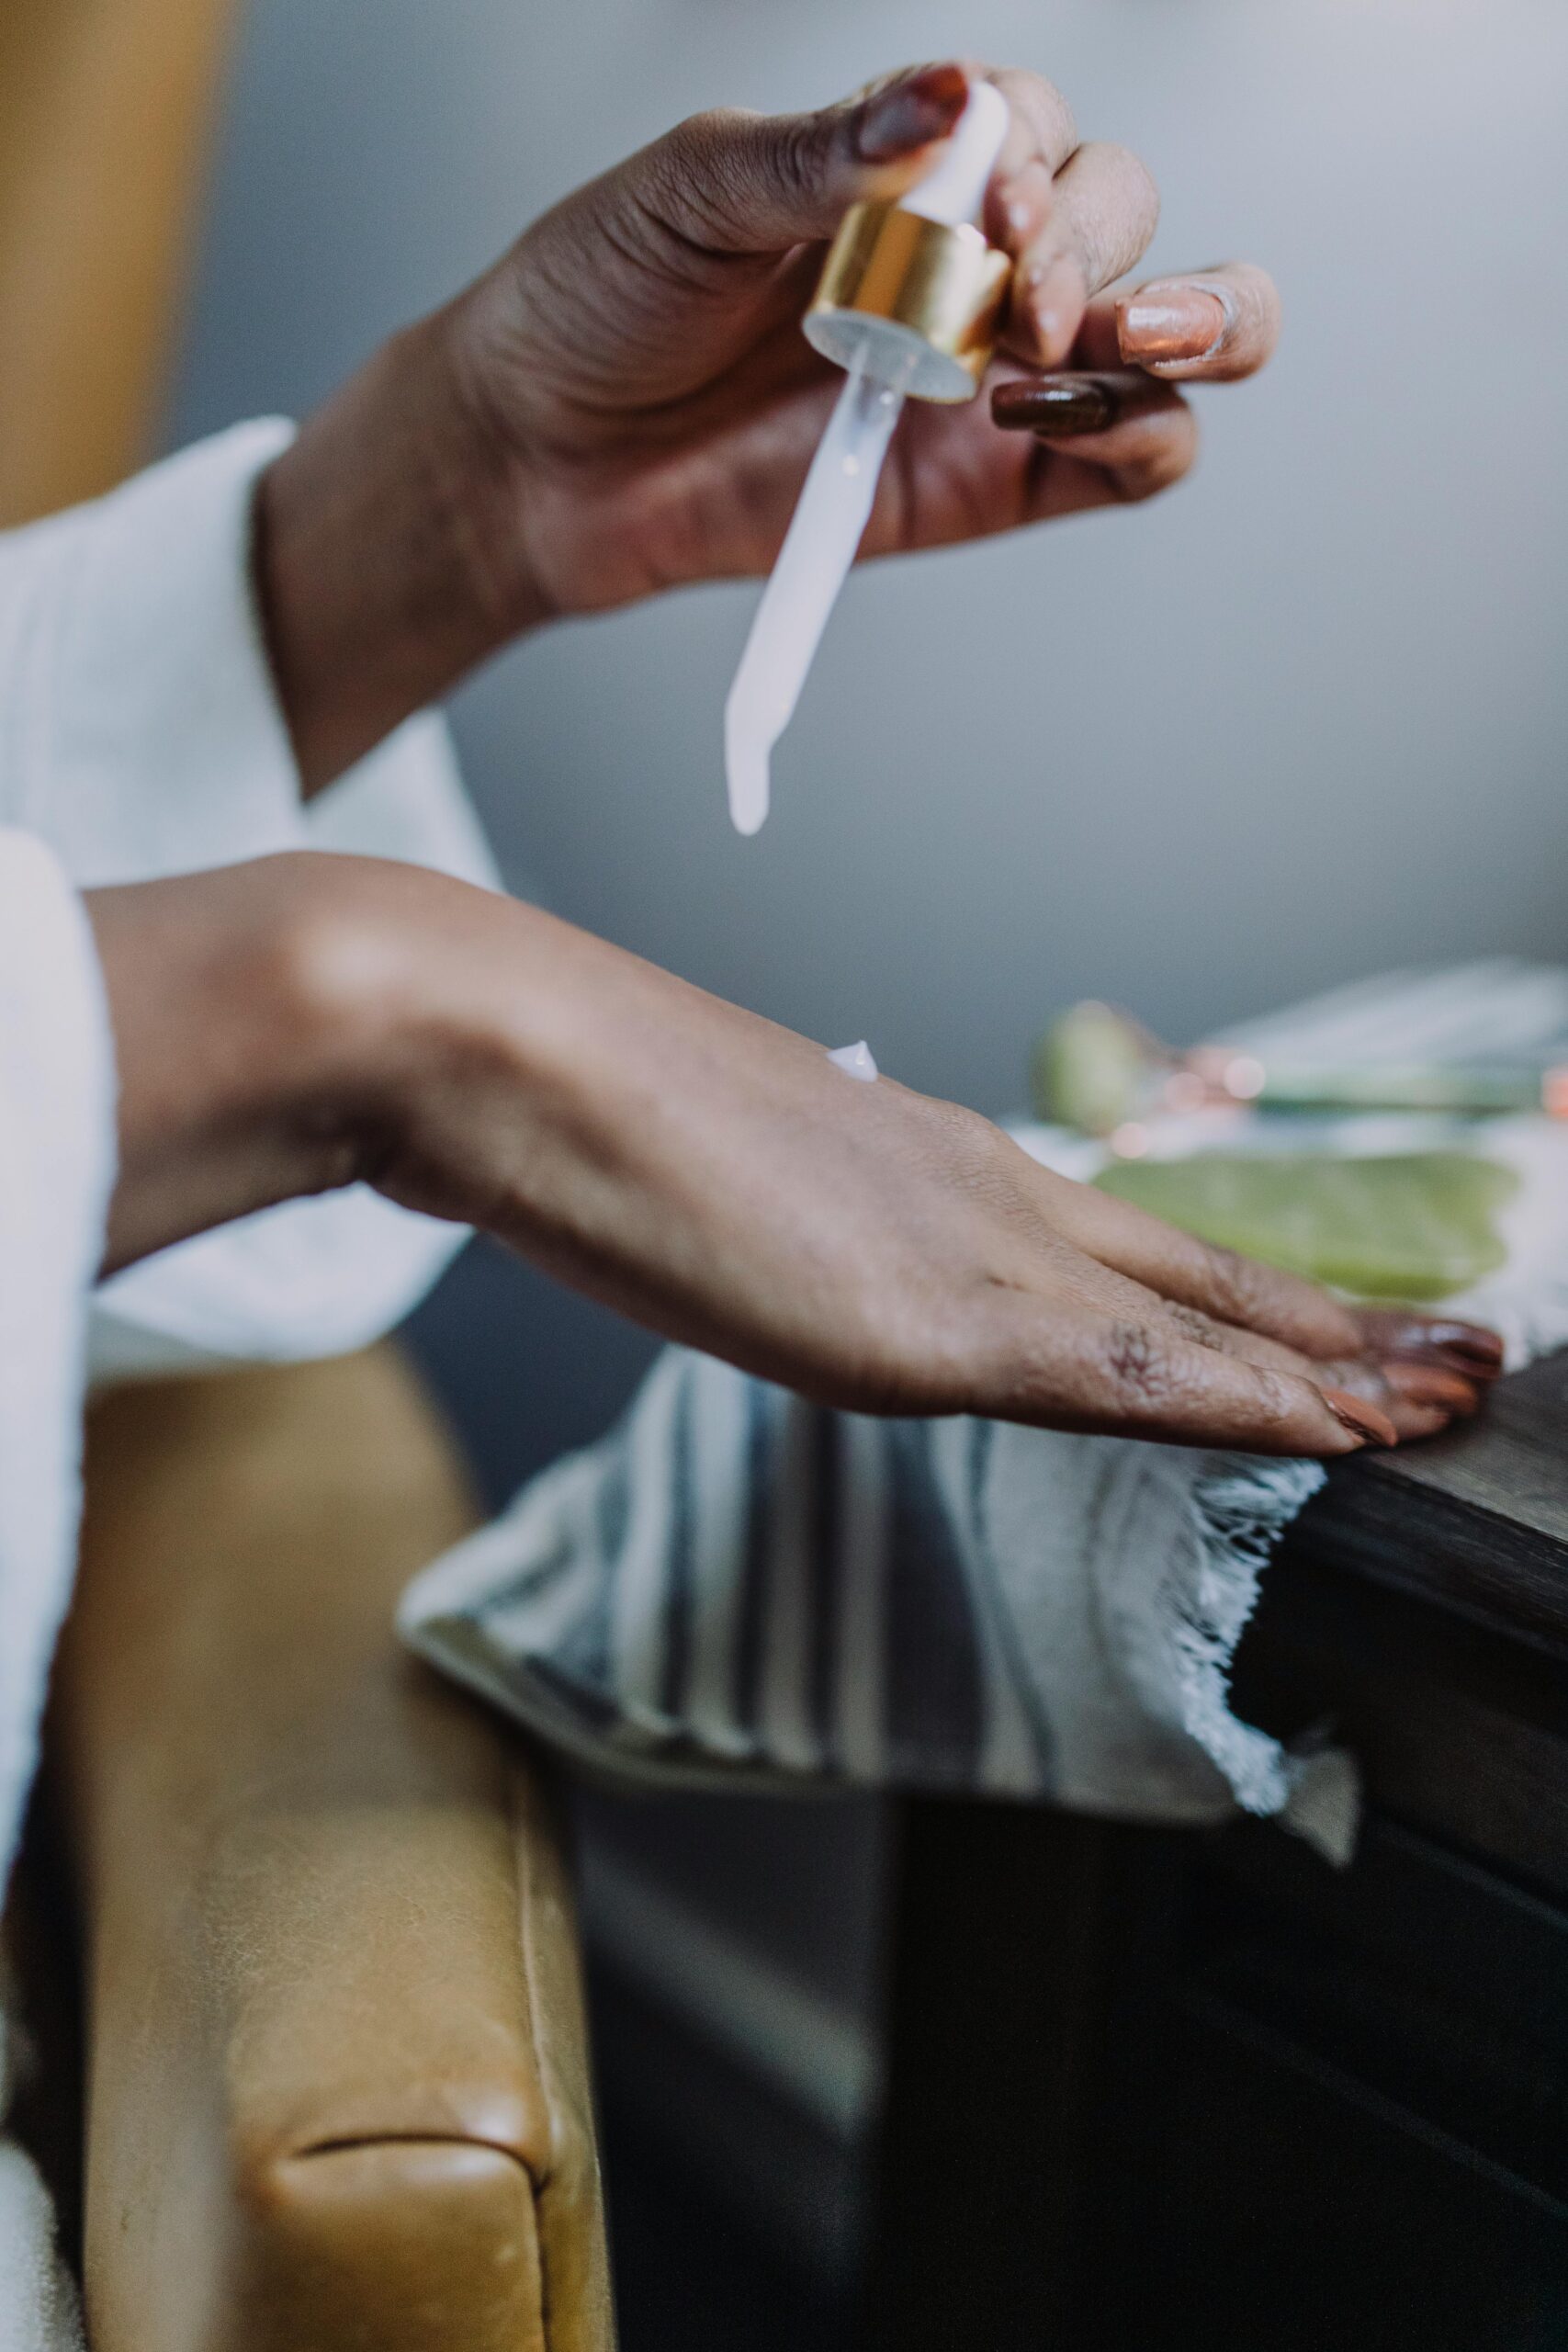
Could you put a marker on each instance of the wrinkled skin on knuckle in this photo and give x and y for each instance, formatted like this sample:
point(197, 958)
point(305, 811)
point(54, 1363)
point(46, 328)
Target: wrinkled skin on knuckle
point(693, 181)
point(1241, 1288)
point(799, 153)
point(1194, 1324)
point(1275, 1408)
point(1138, 1370)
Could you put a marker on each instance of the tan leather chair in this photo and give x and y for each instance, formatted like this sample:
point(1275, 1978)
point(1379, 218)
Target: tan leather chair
point(105, 107)
point(336, 2078)
point(337, 2088)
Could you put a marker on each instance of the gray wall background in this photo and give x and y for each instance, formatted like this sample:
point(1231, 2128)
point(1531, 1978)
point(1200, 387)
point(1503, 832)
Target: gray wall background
point(1302, 721)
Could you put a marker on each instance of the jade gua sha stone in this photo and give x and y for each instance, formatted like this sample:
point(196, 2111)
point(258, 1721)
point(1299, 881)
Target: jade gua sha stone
point(1418, 1226)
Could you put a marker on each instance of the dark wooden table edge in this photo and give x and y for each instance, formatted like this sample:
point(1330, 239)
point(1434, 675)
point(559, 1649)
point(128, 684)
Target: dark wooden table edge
point(1448, 1523)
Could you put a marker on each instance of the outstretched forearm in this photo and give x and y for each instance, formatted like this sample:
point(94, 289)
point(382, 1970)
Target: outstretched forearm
point(309, 1021)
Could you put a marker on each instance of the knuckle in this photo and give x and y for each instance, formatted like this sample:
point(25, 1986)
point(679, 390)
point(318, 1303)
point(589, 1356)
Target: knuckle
point(1194, 1324)
point(1242, 1289)
point(1278, 1399)
point(697, 169)
point(685, 153)
point(699, 140)
point(1140, 1371)
point(797, 157)
point(970, 1144)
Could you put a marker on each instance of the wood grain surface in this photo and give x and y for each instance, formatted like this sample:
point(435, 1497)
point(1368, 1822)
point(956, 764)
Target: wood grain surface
point(1475, 1522)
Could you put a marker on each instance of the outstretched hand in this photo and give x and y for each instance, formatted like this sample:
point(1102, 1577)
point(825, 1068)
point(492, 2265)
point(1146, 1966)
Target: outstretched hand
point(308, 1021)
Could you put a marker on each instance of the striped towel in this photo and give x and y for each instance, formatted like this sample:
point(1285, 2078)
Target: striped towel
point(736, 1588)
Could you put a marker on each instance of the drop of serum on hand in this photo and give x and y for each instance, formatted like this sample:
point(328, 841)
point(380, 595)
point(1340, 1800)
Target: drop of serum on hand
point(855, 1061)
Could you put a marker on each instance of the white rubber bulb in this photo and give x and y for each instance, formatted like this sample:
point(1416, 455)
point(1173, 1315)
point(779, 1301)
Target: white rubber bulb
point(955, 190)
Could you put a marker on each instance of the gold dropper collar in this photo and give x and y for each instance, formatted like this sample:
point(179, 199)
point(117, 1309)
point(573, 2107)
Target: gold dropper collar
point(924, 294)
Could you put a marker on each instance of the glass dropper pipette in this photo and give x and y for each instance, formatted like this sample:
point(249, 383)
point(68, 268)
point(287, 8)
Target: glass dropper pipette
point(886, 360)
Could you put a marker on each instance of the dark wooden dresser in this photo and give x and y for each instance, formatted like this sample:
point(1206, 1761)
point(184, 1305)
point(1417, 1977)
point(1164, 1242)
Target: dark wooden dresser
point(1200, 2090)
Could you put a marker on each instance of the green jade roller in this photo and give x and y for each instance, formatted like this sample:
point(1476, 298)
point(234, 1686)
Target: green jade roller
point(1097, 1069)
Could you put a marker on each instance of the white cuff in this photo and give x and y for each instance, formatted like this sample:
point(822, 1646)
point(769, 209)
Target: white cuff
point(140, 736)
point(146, 734)
point(57, 1149)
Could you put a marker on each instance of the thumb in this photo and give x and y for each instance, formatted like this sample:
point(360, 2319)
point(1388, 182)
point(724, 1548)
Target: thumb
point(743, 183)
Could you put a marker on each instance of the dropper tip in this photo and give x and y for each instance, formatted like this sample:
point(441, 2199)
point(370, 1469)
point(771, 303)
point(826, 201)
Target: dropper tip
point(746, 770)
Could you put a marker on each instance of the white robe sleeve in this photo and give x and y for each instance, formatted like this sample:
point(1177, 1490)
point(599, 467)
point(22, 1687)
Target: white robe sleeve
point(140, 736)
point(56, 1169)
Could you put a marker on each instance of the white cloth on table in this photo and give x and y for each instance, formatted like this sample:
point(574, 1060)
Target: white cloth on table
point(140, 736)
point(736, 1588)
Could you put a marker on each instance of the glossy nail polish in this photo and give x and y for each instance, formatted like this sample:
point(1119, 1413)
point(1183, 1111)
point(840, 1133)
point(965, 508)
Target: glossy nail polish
point(1432, 1384)
point(1364, 1419)
point(1058, 409)
point(1467, 1347)
point(911, 113)
point(1167, 323)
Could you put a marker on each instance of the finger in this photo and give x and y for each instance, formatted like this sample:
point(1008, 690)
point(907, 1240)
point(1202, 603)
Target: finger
point(1148, 451)
point(732, 182)
point(1214, 326)
point(1418, 1399)
point(1066, 1368)
point(1040, 130)
point(1067, 407)
point(1151, 1273)
point(1219, 1283)
point(1103, 211)
point(1397, 1335)
point(1421, 1400)
point(1428, 1388)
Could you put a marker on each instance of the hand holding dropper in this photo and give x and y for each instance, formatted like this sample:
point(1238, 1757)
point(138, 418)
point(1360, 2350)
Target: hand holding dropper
point(907, 312)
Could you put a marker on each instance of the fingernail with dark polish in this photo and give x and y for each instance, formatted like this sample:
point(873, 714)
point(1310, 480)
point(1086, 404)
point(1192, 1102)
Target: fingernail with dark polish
point(1468, 1348)
point(1170, 322)
point(1363, 1418)
point(1058, 409)
point(1431, 1384)
point(911, 113)
point(1470, 1343)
